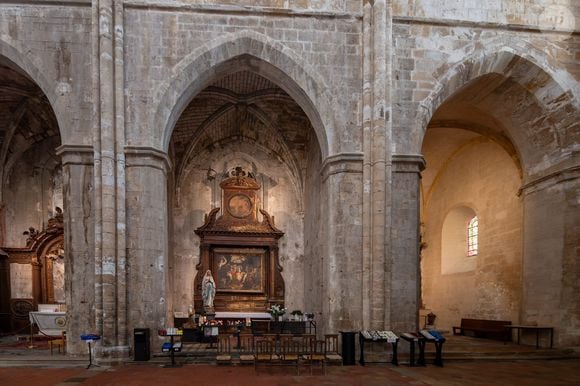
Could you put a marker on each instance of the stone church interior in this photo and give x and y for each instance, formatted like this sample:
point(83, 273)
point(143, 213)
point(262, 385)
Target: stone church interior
point(365, 163)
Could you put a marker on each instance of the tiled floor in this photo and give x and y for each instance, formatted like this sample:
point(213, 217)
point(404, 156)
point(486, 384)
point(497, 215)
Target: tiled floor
point(468, 361)
point(532, 373)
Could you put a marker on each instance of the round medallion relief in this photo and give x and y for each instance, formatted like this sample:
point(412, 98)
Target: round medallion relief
point(240, 206)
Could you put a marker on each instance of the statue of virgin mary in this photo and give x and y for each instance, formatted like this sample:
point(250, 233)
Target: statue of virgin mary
point(208, 290)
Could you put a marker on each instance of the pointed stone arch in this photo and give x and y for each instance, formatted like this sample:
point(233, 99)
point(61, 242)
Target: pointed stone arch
point(555, 91)
point(262, 55)
point(24, 64)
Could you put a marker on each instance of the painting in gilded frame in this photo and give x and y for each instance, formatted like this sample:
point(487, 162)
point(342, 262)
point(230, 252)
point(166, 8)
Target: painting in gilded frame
point(239, 269)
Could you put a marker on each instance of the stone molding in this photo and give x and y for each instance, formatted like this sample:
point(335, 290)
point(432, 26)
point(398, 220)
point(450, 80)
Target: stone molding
point(144, 156)
point(408, 163)
point(56, 3)
point(76, 154)
point(550, 179)
point(342, 163)
point(181, 6)
point(479, 24)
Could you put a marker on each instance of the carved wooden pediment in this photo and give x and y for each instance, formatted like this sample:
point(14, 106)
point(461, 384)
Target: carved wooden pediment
point(240, 209)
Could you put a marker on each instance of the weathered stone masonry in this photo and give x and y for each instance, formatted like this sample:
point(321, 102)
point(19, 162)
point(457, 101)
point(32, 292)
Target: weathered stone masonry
point(369, 80)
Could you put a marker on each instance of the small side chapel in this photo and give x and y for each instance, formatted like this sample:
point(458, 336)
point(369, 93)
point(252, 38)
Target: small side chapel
point(240, 251)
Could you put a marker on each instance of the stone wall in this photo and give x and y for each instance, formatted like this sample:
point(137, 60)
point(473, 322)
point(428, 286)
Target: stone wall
point(119, 74)
point(482, 177)
point(53, 45)
point(547, 14)
point(278, 196)
point(33, 190)
point(322, 56)
point(271, 5)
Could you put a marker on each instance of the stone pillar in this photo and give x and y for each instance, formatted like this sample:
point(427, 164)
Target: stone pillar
point(147, 239)
point(77, 171)
point(342, 269)
point(405, 267)
point(377, 144)
point(109, 140)
point(551, 267)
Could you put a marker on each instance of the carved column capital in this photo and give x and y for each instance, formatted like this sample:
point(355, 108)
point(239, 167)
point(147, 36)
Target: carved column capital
point(342, 163)
point(408, 163)
point(72, 154)
point(142, 156)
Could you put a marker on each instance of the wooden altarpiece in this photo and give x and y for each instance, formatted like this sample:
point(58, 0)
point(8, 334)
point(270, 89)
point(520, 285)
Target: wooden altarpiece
point(240, 250)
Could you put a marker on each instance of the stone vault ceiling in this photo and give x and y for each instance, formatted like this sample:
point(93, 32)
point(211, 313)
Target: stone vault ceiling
point(26, 117)
point(243, 106)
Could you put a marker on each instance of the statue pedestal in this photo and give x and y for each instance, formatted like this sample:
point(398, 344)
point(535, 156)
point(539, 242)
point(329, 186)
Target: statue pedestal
point(209, 313)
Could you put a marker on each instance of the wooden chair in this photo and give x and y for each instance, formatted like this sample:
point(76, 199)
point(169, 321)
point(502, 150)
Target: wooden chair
point(59, 342)
point(224, 352)
point(331, 348)
point(314, 352)
point(264, 353)
point(246, 349)
point(290, 351)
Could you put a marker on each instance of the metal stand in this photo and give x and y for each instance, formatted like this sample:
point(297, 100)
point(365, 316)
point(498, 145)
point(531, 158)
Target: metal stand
point(91, 364)
point(172, 356)
point(89, 338)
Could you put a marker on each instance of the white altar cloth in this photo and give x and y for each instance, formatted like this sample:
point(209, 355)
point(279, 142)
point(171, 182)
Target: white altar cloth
point(242, 315)
point(49, 323)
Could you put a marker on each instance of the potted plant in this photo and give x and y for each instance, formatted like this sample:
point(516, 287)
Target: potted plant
point(276, 311)
point(297, 314)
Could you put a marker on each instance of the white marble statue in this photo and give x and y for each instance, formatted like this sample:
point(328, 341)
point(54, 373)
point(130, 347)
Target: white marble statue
point(208, 290)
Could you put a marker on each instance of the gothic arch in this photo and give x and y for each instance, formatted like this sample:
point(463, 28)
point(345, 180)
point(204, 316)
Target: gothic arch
point(27, 66)
point(555, 93)
point(262, 55)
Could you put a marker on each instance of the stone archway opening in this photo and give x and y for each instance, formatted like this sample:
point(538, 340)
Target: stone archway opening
point(474, 153)
point(499, 137)
point(31, 188)
point(242, 117)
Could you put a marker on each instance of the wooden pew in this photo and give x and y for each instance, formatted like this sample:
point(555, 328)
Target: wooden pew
point(483, 328)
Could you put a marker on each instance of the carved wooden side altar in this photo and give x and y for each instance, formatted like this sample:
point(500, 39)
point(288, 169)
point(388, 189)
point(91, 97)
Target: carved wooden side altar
point(240, 251)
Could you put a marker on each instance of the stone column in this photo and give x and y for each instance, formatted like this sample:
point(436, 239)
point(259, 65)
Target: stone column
point(77, 171)
point(377, 162)
point(147, 239)
point(342, 269)
point(405, 267)
point(551, 267)
point(109, 140)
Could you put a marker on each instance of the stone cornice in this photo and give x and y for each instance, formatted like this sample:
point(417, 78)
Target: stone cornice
point(479, 24)
point(182, 6)
point(550, 179)
point(342, 163)
point(143, 156)
point(408, 163)
point(71, 154)
point(57, 3)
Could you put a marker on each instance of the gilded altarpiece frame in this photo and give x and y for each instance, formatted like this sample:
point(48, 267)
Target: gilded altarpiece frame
point(240, 250)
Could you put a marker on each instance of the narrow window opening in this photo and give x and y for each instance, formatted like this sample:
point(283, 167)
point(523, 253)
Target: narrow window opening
point(472, 235)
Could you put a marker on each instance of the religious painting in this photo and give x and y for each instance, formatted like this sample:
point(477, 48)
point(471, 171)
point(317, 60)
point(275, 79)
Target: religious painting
point(240, 206)
point(239, 269)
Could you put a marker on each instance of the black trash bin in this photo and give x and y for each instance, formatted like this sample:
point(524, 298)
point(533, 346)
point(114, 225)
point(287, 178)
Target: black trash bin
point(348, 347)
point(141, 341)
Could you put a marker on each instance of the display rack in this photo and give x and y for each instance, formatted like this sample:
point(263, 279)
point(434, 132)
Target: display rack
point(378, 337)
point(171, 347)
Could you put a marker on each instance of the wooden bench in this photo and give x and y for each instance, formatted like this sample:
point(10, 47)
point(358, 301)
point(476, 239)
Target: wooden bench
point(482, 328)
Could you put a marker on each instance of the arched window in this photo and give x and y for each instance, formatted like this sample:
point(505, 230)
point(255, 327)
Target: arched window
point(456, 255)
point(472, 233)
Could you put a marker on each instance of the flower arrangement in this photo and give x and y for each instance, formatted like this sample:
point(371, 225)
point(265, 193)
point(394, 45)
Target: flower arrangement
point(297, 314)
point(276, 310)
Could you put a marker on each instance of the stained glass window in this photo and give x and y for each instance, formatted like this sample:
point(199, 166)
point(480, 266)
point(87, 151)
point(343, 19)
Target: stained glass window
point(472, 233)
